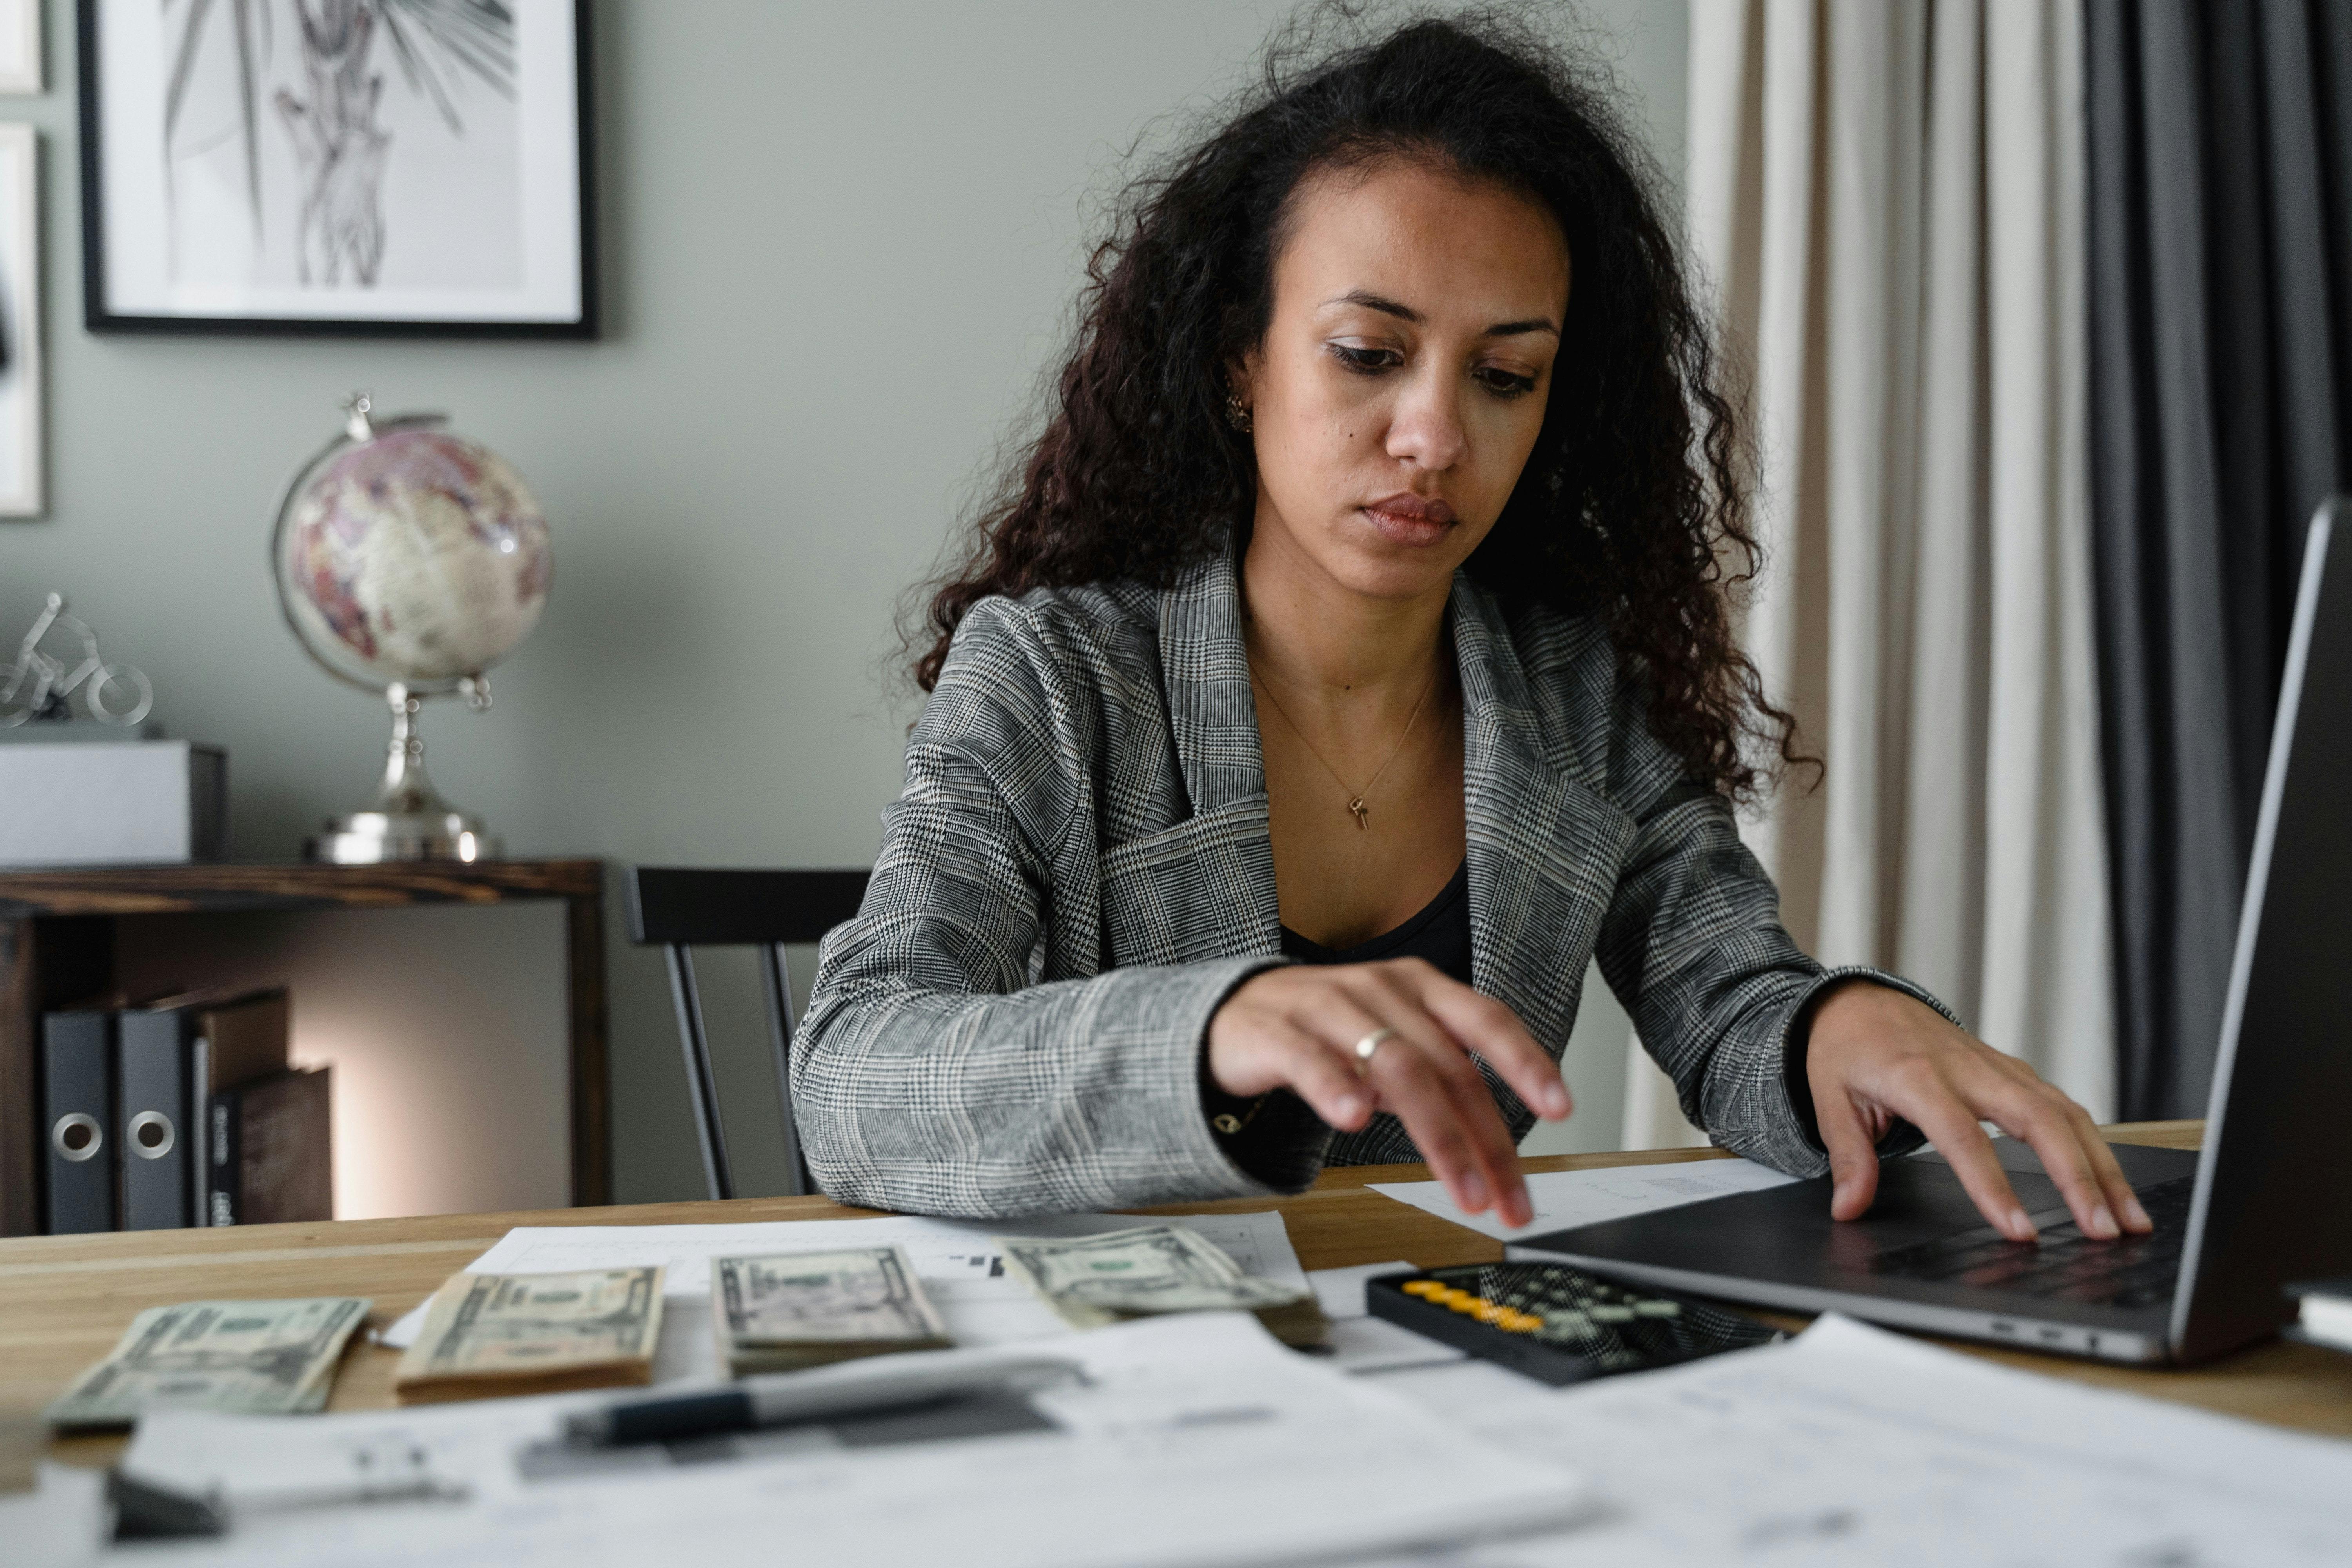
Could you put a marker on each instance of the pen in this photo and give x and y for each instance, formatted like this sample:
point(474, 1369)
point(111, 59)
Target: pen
point(774, 1399)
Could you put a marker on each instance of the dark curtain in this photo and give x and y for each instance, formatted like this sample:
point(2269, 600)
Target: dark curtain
point(2219, 240)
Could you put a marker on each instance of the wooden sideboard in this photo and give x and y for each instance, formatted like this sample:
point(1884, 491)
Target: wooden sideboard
point(57, 945)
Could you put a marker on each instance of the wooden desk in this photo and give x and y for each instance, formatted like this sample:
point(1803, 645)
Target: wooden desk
point(64, 1300)
point(56, 946)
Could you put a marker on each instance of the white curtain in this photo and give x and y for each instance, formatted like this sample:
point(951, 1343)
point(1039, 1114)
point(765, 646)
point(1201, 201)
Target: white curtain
point(1885, 202)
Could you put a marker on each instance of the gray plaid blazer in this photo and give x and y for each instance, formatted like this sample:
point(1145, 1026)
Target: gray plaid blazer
point(1079, 873)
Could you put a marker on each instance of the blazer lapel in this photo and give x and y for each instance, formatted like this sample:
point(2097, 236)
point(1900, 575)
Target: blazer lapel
point(1203, 888)
point(1544, 847)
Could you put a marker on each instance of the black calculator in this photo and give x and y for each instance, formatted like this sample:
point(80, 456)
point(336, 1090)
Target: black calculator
point(1559, 1324)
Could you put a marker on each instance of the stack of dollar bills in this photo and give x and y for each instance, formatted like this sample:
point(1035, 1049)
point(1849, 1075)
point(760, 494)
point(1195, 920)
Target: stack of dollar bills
point(487, 1334)
point(808, 1309)
point(260, 1358)
point(1093, 1280)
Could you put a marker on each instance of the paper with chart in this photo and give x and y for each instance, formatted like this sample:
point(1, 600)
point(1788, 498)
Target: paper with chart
point(1850, 1446)
point(962, 1268)
point(1194, 1439)
point(1563, 1198)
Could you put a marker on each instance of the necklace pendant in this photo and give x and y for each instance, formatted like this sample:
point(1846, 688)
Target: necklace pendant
point(1363, 815)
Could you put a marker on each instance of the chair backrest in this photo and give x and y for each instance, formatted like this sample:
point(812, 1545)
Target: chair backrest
point(682, 908)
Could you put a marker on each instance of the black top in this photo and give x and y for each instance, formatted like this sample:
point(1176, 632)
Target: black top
point(1439, 933)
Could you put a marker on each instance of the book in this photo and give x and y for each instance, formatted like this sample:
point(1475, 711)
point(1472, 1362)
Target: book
point(2326, 1313)
point(272, 1151)
point(238, 1038)
point(77, 1110)
point(172, 1055)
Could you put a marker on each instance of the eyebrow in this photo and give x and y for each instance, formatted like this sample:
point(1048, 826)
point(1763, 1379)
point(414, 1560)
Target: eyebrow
point(1369, 301)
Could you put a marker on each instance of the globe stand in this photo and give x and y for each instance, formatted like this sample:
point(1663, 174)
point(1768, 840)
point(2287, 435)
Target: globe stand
point(410, 821)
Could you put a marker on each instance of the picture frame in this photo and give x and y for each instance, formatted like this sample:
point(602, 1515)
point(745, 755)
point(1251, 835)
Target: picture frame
point(22, 491)
point(427, 171)
point(20, 47)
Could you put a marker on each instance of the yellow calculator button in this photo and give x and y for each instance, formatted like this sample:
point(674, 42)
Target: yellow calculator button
point(1423, 1287)
point(1463, 1302)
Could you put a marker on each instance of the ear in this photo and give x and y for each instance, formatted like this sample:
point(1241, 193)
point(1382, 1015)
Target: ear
point(1241, 377)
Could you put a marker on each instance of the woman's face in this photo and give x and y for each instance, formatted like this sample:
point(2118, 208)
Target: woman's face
point(1402, 380)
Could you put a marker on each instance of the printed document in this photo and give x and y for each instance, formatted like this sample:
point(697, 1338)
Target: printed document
point(1852, 1446)
point(1563, 1198)
point(1195, 1439)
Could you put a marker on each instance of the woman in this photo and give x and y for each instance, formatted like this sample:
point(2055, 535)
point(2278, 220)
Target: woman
point(1347, 664)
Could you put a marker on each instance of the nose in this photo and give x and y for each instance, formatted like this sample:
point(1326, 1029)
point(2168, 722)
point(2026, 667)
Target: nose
point(1426, 428)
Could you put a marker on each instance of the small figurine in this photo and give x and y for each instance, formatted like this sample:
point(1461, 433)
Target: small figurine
point(37, 686)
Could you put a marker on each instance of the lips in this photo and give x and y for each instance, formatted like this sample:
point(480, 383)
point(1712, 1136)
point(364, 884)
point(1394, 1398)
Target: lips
point(1410, 519)
point(1406, 507)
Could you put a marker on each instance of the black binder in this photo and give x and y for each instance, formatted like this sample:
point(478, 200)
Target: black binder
point(175, 1054)
point(152, 1046)
point(77, 1118)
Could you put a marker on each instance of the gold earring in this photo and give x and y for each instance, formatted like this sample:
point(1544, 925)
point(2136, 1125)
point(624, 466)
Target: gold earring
point(1237, 414)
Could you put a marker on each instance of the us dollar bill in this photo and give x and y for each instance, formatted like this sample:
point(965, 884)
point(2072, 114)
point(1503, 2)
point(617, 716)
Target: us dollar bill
point(806, 1309)
point(508, 1333)
point(1094, 1280)
point(249, 1357)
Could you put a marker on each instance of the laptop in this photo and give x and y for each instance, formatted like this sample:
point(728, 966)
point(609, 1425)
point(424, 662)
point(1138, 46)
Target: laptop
point(2269, 1199)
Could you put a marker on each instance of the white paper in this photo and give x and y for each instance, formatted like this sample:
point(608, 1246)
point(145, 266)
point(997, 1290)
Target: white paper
point(959, 1270)
point(1563, 1198)
point(1196, 1440)
point(1850, 1445)
point(1340, 1291)
point(1361, 1342)
point(61, 1523)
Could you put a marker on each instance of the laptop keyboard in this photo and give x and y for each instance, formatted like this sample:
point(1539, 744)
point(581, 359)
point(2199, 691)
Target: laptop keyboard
point(2131, 1271)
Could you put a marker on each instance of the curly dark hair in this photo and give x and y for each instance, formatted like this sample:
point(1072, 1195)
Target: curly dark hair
point(1631, 506)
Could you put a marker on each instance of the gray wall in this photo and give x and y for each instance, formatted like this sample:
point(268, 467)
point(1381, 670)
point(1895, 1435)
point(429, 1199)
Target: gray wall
point(839, 242)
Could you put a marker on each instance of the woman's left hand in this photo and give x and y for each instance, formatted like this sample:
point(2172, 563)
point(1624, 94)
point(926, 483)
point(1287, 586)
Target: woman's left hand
point(1875, 1053)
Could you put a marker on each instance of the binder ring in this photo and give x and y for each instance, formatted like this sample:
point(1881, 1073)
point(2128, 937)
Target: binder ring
point(76, 1121)
point(140, 1146)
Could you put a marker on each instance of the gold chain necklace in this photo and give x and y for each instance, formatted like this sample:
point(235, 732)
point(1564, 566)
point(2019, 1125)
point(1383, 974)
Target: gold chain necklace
point(1355, 796)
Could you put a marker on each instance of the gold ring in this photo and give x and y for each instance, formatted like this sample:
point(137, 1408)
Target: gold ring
point(1372, 1042)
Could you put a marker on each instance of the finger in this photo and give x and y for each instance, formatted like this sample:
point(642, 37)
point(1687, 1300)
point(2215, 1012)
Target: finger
point(1853, 1156)
point(2120, 1197)
point(1491, 1029)
point(2035, 1115)
point(1490, 1136)
point(1410, 1086)
point(1939, 1113)
point(1469, 1106)
point(1362, 1005)
point(1497, 1152)
point(1322, 1078)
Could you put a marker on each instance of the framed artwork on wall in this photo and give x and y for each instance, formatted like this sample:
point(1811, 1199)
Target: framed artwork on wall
point(20, 46)
point(337, 167)
point(20, 324)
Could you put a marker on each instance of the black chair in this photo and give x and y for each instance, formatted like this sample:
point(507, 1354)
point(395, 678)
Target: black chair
point(685, 907)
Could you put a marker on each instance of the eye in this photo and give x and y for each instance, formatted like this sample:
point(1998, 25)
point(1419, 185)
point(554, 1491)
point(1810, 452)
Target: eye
point(1503, 383)
point(1366, 362)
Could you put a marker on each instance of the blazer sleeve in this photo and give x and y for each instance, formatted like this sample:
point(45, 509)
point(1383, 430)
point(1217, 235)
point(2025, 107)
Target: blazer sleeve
point(930, 1075)
point(1720, 994)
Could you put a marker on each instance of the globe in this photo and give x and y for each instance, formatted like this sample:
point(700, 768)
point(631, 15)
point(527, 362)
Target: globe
point(412, 555)
point(408, 561)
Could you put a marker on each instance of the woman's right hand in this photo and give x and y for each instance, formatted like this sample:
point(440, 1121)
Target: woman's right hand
point(1296, 1027)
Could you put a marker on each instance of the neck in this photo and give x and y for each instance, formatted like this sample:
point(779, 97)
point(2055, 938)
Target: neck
point(1328, 644)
